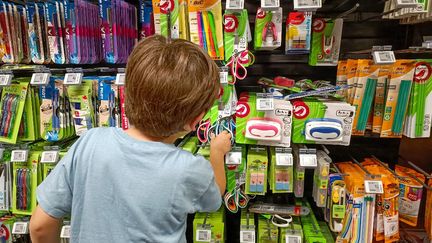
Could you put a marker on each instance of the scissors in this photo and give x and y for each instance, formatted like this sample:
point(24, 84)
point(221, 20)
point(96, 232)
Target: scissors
point(239, 59)
point(236, 198)
point(205, 129)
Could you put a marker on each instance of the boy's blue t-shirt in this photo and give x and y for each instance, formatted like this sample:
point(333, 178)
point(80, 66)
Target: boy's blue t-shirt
point(119, 189)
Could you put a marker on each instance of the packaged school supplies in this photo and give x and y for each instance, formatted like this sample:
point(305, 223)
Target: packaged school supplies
point(268, 29)
point(261, 125)
point(341, 77)
point(209, 227)
point(321, 178)
point(12, 106)
point(410, 196)
point(257, 172)
point(298, 34)
point(205, 26)
point(419, 114)
point(55, 24)
point(80, 97)
point(322, 121)
point(267, 231)
point(119, 29)
point(108, 105)
point(380, 97)
point(364, 92)
point(281, 175)
point(397, 98)
point(146, 19)
point(326, 40)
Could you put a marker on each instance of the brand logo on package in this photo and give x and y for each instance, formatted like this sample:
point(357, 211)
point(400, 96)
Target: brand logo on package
point(319, 25)
point(423, 71)
point(261, 13)
point(166, 5)
point(4, 232)
point(301, 110)
point(242, 110)
point(282, 112)
point(344, 113)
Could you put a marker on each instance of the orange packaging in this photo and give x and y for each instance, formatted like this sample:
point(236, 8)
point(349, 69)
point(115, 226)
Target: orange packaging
point(341, 77)
point(380, 97)
point(351, 71)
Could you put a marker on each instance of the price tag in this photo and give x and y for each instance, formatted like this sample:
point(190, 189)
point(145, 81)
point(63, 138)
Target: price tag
point(233, 158)
point(384, 57)
point(293, 238)
point(307, 4)
point(308, 160)
point(223, 76)
point(234, 4)
point(375, 187)
point(50, 157)
point(120, 79)
point(265, 104)
point(270, 4)
point(65, 232)
point(247, 236)
point(73, 78)
point(203, 235)
point(5, 79)
point(19, 156)
point(20, 228)
point(284, 159)
point(40, 78)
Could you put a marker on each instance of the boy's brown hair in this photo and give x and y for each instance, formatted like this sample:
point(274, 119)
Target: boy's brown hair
point(168, 84)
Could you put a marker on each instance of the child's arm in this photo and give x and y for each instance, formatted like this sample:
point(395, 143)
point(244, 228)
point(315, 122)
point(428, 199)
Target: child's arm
point(44, 228)
point(219, 146)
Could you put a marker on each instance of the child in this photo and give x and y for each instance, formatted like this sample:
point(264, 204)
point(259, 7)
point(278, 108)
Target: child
point(134, 185)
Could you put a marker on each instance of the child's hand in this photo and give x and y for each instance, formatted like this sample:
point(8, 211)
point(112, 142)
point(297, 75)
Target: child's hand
point(221, 142)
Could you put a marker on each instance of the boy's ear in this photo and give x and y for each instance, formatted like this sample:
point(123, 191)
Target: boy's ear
point(191, 126)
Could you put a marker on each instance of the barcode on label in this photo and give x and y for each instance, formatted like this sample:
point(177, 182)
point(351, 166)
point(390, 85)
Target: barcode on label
point(5, 79)
point(284, 159)
point(40, 79)
point(20, 228)
point(375, 187)
point(308, 3)
point(49, 157)
point(65, 232)
point(223, 76)
point(203, 235)
point(265, 104)
point(120, 79)
point(247, 236)
point(72, 78)
point(19, 155)
point(384, 57)
point(293, 239)
point(233, 158)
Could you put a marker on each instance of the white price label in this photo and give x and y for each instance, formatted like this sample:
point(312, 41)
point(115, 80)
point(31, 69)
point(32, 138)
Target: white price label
point(5, 79)
point(265, 104)
point(247, 236)
point(242, 45)
point(293, 238)
point(65, 232)
point(375, 187)
point(308, 160)
point(384, 57)
point(284, 159)
point(235, 4)
point(20, 228)
point(120, 79)
point(223, 77)
point(40, 78)
point(19, 155)
point(50, 157)
point(270, 3)
point(73, 78)
point(203, 235)
point(307, 4)
point(233, 158)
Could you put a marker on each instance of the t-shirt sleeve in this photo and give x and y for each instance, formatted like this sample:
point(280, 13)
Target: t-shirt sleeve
point(201, 182)
point(54, 194)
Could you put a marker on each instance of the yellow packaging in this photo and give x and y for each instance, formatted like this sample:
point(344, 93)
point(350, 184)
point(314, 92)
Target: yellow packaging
point(351, 78)
point(398, 93)
point(365, 70)
point(410, 195)
point(205, 26)
point(380, 97)
point(177, 10)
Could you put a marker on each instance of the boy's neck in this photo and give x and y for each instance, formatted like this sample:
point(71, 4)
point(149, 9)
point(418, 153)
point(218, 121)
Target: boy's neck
point(137, 134)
